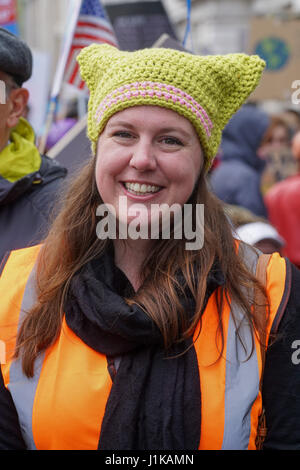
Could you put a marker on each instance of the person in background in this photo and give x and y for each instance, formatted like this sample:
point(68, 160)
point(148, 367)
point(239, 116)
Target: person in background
point(237, 179)
point(124, 342)
point(29, 182)
point(278, 135)
point(261, 235)
point(291, 117)
point(277, 153)
point(283, 203)
point(254, 230)
point(296, 150)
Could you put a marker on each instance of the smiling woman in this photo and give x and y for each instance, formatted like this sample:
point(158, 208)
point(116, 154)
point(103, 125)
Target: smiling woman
point(149, 154)
point(142, 343)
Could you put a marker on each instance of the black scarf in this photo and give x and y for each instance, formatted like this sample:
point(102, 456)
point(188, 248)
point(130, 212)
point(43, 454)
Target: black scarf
point(155, 401)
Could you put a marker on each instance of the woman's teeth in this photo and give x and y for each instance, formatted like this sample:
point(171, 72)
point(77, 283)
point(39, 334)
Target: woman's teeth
point(141, 188)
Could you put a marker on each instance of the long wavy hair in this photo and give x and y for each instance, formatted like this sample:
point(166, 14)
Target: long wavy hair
point(72, 242)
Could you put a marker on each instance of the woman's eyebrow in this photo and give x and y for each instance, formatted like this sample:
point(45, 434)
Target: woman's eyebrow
point(168, 130)
point(121, 123)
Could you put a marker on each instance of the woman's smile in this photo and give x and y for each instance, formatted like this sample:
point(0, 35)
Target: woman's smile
point(141, 192)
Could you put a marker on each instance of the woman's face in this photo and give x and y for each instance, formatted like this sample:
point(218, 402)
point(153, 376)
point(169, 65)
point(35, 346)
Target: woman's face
point(149, 155)
point(279, 137)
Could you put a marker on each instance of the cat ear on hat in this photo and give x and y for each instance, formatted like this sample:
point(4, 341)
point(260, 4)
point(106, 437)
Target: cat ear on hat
point(94, 61)
point(242, 75)
point(226, 82)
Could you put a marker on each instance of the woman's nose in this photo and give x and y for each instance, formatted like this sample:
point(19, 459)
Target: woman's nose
point(143, 157)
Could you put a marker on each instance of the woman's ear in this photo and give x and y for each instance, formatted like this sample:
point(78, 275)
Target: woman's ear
point(17, 101)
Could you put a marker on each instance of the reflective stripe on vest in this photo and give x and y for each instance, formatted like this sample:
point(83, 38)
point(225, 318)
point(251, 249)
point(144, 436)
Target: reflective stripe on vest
point(23, 391)
point(231, 399)
point(62, 407)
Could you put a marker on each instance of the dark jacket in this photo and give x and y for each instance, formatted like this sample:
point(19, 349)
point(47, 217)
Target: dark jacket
point(26, 205)
point(237, 179)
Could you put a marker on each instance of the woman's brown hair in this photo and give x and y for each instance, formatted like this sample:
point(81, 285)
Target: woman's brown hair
point(72, 242)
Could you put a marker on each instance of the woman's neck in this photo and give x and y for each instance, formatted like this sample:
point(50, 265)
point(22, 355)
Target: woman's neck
point(129, 257)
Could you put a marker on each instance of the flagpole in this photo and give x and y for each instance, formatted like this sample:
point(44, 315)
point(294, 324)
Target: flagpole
point(73, 14)
point(188, 30)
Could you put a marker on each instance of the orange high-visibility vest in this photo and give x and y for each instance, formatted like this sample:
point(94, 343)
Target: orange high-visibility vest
point(63, 405)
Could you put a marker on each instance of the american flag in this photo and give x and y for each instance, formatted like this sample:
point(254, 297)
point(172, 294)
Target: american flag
point(93, 26)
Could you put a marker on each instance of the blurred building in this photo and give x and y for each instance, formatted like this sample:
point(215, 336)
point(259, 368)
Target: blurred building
point(222, 26)
point(217, 26)
point(42, 24)
point(139, 24)
point(288, 7)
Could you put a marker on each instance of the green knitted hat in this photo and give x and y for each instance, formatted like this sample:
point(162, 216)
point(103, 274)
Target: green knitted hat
point(207, 90)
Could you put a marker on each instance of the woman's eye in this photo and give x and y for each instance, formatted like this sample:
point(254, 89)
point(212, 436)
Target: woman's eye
point(123, 134)
point(171, 141)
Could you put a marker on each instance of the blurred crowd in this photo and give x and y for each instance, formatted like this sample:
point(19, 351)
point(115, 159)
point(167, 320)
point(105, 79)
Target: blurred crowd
point(256, 172)
point(257, 175)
